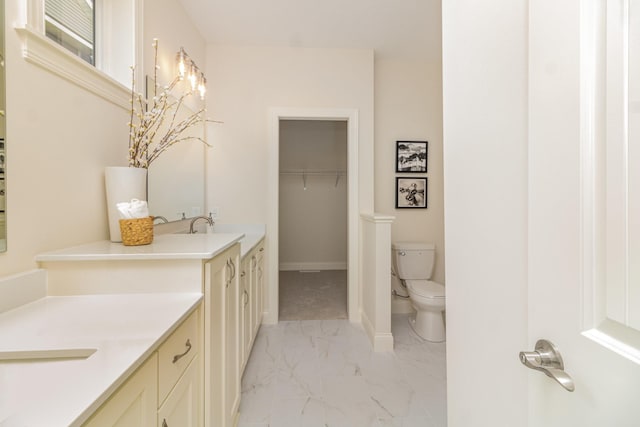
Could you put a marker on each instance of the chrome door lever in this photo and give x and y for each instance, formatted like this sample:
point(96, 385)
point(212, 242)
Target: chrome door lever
point(547, 358)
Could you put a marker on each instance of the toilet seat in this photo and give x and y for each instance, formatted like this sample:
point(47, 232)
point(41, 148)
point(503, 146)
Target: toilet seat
point(426, 288)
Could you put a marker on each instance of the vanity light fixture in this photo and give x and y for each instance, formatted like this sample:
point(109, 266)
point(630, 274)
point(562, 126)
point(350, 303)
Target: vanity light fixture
point(188, 68)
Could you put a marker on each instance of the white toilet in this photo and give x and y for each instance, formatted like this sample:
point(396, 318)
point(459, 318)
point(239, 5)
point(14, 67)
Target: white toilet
point(413, 263)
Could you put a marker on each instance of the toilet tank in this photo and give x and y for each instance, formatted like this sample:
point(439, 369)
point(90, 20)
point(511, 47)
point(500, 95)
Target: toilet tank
point(413, 260)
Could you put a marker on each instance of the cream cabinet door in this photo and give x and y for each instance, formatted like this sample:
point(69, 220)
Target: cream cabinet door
point(215, 290)
point(135, 403)
point(221, 342)
point(258, 288)
point(246, 326)
point(253, 284)
point(182, 407)
point(233, 362)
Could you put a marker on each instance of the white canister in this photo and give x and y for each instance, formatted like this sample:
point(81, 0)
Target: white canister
point(122, 184)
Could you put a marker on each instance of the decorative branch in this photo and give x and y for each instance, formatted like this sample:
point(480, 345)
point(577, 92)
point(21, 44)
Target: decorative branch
point(148, 135)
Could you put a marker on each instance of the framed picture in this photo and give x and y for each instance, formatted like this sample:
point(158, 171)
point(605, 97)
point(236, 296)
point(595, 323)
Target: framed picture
point(411, 192)
point(411, 156)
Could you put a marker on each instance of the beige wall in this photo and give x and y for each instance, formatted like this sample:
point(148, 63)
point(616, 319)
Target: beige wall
point(167, 21)
point(409, 107)
point(59, 139)
point(245, 83)
point(313, 221)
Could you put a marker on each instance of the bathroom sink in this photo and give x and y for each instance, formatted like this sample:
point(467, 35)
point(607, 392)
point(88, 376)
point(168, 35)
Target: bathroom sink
point(44, 355)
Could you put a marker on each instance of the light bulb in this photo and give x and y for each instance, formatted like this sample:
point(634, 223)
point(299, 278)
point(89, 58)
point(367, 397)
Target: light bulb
point(181, 64)
point(202, 86)
point(193, 76)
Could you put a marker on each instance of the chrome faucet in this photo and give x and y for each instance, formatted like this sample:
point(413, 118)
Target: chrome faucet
point(161, 218)
point(194, 220)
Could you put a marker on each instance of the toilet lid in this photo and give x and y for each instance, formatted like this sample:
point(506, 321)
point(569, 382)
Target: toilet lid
point(426, 288)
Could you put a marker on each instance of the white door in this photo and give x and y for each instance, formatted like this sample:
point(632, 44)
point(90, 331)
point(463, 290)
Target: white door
point(580, 239)
point(539, 213)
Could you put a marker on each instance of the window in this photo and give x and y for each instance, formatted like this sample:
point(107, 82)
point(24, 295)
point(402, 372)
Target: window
point(99, 42)
point(70, 23)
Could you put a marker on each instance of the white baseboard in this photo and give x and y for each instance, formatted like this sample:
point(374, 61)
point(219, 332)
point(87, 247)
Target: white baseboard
point(268, 318)
point(383, 342)
point(380, 341)
point(301, 266)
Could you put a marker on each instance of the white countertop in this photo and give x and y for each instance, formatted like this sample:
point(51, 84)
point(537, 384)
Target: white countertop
point(253, 233)
point(248, 243)
point(125, 330)
point(164, 246)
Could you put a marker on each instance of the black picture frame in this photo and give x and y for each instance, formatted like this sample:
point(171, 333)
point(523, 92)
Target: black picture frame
point(412, 156)
point(411, 192)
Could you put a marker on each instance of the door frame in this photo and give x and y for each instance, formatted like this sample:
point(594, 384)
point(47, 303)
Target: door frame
point(273, 188)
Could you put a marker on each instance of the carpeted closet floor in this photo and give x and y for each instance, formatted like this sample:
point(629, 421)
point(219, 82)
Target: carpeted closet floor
point(318, 295)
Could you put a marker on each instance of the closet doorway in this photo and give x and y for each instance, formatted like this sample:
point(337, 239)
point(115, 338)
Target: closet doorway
point(313, 219)
point(350, 116)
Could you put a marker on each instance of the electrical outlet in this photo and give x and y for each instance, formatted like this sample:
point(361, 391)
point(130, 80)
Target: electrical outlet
point(215, 213)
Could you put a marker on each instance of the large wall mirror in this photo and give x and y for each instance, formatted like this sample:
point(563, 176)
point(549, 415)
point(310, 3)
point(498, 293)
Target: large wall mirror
point(176, 178)
point(176, 182)
point(3, 127)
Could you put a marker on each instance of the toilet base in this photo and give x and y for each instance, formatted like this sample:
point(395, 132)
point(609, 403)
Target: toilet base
point(428, 325)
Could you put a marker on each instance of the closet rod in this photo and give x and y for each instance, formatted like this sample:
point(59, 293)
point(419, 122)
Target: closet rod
point(312, 172)
point(306, 173)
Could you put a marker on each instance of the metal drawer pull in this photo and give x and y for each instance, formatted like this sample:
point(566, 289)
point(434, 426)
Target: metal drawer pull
point(231, 272)
point(233, 269)
point(246, 297)
point(164, 423)
point(180, 356)
point(546, 358)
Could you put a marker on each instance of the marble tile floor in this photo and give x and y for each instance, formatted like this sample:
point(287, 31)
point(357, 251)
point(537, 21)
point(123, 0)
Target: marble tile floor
point(313, 296)
point(324, 373)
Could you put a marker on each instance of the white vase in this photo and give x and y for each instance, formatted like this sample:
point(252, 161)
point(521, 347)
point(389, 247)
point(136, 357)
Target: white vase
point(122, 184)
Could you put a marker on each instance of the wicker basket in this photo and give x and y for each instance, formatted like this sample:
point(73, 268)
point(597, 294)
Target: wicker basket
point(137, 231)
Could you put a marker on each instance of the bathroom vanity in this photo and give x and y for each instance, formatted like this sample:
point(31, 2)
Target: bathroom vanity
point(165, 390)
point(82, 353)
point(225, 267)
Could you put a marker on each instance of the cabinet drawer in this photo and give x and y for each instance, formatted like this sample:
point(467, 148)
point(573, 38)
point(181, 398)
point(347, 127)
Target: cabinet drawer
point(176, 353)
point(182, 407)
